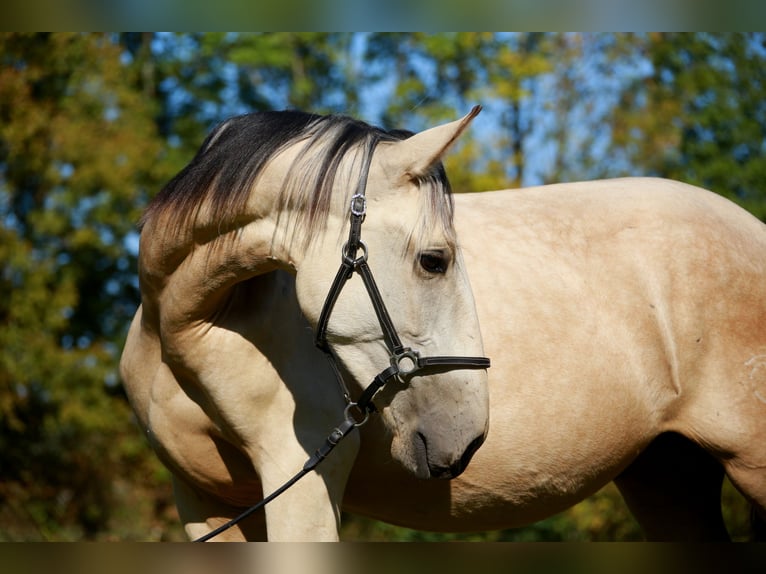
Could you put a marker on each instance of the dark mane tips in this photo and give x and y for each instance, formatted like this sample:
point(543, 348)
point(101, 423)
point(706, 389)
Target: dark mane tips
point(225, 167)
point(221, 175)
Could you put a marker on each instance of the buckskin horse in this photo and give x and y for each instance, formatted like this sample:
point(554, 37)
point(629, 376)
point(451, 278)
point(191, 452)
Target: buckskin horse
point(626, 322)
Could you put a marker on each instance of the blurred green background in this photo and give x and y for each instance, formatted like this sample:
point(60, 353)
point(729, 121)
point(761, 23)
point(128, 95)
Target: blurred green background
point(92, 125)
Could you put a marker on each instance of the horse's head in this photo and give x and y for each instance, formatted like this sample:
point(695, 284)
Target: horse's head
point(438, 415)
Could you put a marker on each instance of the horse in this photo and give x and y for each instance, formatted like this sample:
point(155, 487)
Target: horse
point(626, 321)
point(231, 407)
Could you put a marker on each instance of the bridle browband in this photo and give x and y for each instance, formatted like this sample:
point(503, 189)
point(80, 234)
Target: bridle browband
point(405, 362)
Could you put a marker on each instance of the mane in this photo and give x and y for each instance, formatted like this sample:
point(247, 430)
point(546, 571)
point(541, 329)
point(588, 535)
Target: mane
point(223, 173)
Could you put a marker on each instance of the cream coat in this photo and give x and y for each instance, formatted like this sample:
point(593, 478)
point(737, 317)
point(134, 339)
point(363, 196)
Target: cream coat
point(626, 323)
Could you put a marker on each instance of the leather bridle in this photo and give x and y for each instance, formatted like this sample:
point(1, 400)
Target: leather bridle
point(405, 362)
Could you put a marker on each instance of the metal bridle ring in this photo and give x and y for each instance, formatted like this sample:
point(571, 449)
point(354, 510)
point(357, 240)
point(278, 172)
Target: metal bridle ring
point(358, 260)
point(409, 355)
point(349, 417)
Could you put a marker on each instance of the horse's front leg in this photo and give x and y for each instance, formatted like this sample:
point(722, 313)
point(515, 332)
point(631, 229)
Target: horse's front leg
point(201, 513)
point(309, 511)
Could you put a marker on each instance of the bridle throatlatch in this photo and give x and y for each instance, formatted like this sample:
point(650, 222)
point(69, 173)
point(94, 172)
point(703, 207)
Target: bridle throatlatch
point(405, 362)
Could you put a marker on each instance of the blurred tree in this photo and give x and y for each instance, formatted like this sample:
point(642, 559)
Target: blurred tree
point(198, 80)
point(78, 154)
point(433, 77)
point(92, 125)
point(589, 76)
point(700, 114)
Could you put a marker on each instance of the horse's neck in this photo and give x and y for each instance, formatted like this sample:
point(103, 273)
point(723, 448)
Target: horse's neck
point(184, 281)
point(187, 277)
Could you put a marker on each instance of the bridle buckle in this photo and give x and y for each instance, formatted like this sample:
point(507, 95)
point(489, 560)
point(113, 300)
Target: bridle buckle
point(358, 204)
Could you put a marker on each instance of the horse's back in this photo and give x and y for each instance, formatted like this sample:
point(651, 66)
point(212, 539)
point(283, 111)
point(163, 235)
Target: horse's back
point(614, 311)
point(638, 251)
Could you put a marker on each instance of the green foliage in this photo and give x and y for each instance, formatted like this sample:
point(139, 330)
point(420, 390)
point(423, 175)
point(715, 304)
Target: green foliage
point(700, 116)
point(77, 152)
point(92, 125)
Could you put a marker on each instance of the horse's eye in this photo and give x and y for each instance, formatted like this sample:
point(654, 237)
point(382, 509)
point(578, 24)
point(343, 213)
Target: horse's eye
point(434, 262)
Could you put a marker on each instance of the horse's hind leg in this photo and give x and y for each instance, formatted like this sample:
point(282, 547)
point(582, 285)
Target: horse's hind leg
point(673, 489)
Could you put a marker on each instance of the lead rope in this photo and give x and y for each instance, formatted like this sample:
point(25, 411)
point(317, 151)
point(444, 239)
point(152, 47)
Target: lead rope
point(332, 440)
point(358, 210)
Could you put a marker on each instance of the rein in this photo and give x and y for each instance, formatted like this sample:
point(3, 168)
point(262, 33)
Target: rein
point(405, 362)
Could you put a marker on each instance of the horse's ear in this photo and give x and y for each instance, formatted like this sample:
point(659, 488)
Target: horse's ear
point(417, 154)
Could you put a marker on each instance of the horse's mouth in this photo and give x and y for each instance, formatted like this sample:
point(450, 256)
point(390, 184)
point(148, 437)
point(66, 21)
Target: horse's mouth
point(422, 468)
point(426, 467)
